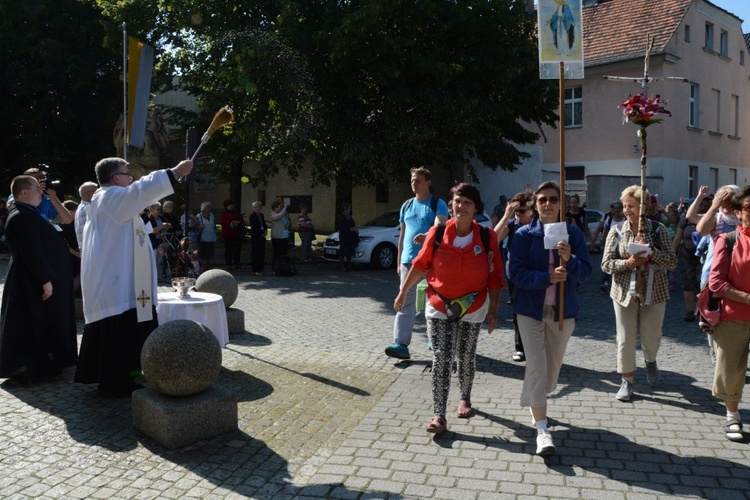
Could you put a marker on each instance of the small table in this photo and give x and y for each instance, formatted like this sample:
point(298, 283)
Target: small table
point(205, 308)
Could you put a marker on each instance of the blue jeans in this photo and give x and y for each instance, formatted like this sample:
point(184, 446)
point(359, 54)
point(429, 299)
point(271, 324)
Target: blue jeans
point(404, 322)
point(306, 237)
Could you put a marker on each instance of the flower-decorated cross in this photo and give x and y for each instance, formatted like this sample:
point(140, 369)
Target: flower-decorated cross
point(642, 110)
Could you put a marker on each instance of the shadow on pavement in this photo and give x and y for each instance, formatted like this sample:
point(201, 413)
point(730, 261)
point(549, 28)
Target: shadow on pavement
point(241, 464)
point(235, 462)
point(317, 378)
point(643, 466)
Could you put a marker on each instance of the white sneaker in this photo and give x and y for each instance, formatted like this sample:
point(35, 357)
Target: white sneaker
point(626, 391)
point(544, 444)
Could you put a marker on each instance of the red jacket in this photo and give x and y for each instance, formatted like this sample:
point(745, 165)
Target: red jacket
point(225, 219)
point(455, 272)
point(737, 275)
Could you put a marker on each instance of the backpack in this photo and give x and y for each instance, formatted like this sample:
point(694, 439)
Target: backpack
point(284, 266)
point(708, 308)
point(484, 233)
point(688, 240)
point(433, 204)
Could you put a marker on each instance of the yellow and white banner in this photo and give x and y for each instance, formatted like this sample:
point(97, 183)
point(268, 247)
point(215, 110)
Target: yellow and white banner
point(140, 67)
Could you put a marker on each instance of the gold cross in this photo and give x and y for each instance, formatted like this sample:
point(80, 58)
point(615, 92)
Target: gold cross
point(143, 298)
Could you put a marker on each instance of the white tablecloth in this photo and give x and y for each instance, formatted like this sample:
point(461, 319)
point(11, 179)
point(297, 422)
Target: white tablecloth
point(205, 308)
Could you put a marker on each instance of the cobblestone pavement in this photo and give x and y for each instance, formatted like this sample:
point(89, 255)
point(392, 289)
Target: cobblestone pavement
point(323, 413)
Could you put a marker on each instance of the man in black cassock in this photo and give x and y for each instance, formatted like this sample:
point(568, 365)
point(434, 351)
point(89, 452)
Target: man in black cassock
point(37, 319)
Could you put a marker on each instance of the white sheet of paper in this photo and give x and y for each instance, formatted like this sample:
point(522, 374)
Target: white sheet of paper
point(636, 248)
point(554, 233)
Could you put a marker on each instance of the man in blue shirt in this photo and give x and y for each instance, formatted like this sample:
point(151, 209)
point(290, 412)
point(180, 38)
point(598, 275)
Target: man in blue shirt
point(417, 215)
point(50, 207)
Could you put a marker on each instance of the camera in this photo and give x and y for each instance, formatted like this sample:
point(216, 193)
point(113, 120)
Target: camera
point(56, 185)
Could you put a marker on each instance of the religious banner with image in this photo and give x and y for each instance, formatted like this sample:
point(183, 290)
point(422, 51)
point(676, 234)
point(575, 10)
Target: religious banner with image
point(560, 29)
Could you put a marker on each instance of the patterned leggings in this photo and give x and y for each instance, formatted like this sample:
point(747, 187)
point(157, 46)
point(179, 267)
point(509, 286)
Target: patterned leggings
point(448, 339)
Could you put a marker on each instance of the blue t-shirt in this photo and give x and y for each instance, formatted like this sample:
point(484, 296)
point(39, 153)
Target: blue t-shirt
point(417, 218)
point(45, 208)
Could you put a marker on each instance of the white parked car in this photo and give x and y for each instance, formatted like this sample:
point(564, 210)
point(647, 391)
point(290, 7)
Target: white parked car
point(378, 241)
point(594, 217)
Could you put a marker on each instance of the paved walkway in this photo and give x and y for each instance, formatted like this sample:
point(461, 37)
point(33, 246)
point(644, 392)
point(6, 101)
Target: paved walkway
point(323, 413)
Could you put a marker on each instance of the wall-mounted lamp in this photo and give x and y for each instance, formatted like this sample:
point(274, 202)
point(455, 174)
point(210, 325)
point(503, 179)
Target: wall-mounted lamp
point(635, 148)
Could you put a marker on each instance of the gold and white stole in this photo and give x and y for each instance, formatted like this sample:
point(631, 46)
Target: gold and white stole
point(142, 271)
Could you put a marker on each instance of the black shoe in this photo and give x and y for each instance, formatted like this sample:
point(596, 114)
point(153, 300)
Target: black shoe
point(120, 392)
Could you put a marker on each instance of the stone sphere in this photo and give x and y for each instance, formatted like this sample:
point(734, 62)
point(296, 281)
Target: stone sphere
point(219, 282)
point(181, 358)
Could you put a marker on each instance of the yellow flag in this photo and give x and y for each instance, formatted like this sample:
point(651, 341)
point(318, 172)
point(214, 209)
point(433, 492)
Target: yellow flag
point(140, 67)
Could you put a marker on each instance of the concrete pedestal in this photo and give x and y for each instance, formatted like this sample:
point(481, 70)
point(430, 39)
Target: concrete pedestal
point(175, 422)
point(235, 320)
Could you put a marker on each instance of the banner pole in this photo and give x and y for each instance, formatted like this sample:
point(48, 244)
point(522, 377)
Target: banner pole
point(561, 302)
point(124, 92)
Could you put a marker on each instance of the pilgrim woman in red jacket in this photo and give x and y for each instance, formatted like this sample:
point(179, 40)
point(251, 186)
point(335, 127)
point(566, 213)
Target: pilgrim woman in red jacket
point(465, 276)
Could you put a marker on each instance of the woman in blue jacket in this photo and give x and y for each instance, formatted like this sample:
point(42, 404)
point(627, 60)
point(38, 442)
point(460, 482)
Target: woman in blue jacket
point(536, 272)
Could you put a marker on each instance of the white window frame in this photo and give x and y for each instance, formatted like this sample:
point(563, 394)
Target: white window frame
point(692, 180)
point(724, 43)
point(709, 42)
point(573, 102)
point(717, 95)
point(694, 111)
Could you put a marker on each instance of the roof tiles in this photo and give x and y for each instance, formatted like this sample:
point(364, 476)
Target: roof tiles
point(618, 30)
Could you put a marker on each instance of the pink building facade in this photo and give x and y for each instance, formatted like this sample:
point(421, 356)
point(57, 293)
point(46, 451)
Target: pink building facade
point(706, 141)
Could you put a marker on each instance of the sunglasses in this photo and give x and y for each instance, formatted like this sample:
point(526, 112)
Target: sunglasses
point(543, 199)
point(521, 211)
point(616, 207)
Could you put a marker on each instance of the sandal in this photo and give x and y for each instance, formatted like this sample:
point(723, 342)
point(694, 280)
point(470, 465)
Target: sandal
point(437, 426)
point(464, 409)
point(733, 430)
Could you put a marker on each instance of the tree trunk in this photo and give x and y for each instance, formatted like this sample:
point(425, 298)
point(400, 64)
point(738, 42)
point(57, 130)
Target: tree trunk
point(235, 183)
point(343, 193)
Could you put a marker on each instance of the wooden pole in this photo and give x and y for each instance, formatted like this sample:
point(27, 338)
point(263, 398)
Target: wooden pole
point(124, 93)
point(561, 301)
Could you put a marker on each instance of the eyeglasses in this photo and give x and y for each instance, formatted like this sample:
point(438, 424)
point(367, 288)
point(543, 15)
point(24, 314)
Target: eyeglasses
point(746, 207)
point(616, 207)
point(122, 173)
point(543, 199)
point(521, 211)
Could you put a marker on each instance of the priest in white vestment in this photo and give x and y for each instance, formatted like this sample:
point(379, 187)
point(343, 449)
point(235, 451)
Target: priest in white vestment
point(118, 274)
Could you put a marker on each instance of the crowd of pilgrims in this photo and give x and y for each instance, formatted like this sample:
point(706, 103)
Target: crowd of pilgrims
point(465, 268)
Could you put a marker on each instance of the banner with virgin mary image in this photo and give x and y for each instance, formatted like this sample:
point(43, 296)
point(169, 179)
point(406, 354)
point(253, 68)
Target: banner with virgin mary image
point(560, 27)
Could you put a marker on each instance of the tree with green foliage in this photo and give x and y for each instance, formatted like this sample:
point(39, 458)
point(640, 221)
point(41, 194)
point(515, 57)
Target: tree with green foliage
point(61, 88)
point(365, 89)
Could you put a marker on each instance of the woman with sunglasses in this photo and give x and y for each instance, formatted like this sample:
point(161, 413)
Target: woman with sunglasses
point(518, 213)
point(730, 279)
point(536, 272)
point(640, 288)
point(465, 276)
